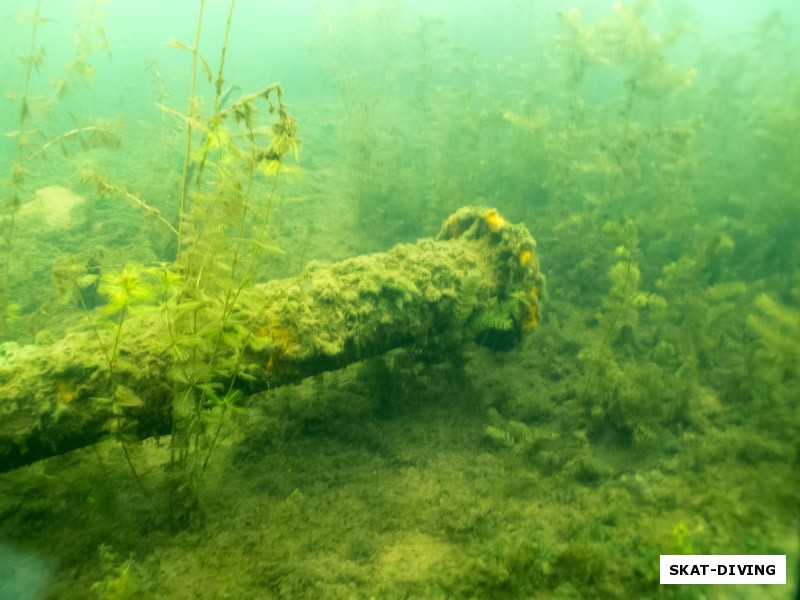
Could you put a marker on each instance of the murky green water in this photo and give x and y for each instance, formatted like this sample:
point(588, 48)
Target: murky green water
point(523, 439)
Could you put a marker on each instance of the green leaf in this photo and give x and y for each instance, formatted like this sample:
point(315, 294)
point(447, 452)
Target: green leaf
point(125, 397)
point(86, 280)
point(173, 43)
point(206, 68)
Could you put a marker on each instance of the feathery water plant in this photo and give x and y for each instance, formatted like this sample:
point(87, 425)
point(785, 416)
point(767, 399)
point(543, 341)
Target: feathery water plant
point(34, 124)
point(230, 157)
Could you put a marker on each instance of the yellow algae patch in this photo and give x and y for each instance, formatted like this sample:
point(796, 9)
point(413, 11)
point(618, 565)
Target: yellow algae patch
point(494, 220)
point(525, 257)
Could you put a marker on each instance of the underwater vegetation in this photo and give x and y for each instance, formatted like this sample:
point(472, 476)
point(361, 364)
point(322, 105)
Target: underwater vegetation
point(34, 135)
point(549, 442)
point(220, 234)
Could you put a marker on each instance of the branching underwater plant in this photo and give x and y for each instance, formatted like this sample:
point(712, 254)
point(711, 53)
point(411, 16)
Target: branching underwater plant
point(33, 134)
point(232, 164)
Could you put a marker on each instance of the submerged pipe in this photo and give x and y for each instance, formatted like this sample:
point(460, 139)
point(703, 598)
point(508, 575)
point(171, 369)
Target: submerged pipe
point(479, 276)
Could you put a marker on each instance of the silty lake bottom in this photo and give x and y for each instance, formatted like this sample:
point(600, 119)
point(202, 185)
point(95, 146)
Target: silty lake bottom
point(221, 377)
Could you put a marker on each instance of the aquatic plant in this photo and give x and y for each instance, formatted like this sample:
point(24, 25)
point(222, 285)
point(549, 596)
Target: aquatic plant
point(124, 290)
point(233, 160)
point(778, 330)
point(410, 92)
point(230, 160)
point(119, 578)
point(773, 369)
point(641, 417)
point(35, 116)
point(619, 309)
point(681, 540)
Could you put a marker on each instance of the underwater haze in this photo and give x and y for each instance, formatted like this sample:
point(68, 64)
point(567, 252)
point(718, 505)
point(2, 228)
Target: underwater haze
point(273, 322)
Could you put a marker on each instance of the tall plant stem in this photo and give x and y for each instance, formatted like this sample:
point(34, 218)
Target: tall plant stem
point(12, 204)
point(190, 113)
point(220, 79)
point(229, 304)
point(112, 391)
point(130, 464)
point(215, 117)
point(632, 247)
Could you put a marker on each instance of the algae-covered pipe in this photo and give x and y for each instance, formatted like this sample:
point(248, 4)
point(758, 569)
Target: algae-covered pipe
point(479, 276)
